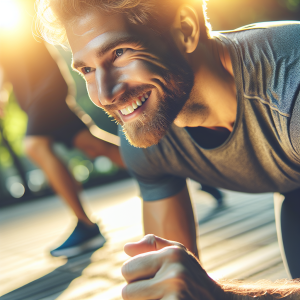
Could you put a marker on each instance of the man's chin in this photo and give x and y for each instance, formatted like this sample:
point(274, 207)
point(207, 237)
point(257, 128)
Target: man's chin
point(143, 138)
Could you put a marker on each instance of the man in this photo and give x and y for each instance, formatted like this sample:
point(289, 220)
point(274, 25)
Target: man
point(221, 109)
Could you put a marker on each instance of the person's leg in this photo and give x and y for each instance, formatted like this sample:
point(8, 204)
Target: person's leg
point(86, 236)
point(39, 150)
point(287, 216)
point(94, 147)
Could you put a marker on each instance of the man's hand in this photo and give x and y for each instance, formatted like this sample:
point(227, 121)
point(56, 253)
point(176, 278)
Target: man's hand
point(165, 270)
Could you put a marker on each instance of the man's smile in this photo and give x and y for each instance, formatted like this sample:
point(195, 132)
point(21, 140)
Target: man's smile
point(135, 104)
point(136, 108)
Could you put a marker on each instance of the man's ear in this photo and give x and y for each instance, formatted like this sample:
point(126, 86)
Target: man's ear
point(186, 29)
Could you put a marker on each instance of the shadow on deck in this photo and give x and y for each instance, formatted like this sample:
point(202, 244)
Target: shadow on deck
point(236, 241)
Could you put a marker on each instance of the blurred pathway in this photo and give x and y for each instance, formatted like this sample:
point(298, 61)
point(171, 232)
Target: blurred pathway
point(237, 241)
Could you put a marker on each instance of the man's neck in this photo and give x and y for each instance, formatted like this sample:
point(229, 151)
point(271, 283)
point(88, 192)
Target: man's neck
point(214, 88)
point(207, 138)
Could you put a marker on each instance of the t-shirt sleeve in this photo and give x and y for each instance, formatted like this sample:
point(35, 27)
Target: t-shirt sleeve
point(146, 167)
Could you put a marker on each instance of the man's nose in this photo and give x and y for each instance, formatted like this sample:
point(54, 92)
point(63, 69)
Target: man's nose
point(108, 86)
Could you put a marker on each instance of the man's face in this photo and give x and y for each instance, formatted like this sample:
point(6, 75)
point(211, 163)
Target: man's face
point(138, 78)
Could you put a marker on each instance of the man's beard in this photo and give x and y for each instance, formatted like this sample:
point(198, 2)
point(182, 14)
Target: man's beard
point(153, 124)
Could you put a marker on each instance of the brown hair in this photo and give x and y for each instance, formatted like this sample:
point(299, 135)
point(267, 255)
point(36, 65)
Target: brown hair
point(54, 15)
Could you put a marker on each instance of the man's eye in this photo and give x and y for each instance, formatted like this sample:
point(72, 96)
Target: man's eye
point(119, 52)
point(86, 70)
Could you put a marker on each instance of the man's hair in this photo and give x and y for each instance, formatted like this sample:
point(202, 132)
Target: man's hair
point(54, 15)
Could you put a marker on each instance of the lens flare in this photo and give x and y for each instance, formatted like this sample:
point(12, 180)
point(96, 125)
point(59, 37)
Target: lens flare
point(9, 14)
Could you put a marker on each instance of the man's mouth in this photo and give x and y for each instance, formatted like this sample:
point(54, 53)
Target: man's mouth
point(135, 104)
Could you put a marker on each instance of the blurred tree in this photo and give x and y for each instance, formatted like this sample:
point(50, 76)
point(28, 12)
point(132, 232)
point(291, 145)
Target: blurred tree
point(292, 5)
point(14, 125)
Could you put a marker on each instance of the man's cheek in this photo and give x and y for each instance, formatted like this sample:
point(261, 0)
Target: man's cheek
point(142, 71)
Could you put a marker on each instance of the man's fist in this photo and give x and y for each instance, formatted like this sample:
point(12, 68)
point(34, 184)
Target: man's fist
point(165, 270)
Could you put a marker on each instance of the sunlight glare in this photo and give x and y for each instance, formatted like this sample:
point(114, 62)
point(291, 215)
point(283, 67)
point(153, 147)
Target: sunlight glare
point(9, 14)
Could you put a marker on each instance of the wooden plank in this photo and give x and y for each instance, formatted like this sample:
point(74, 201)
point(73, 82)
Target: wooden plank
point(233, 268)
point(218, 254)
point(238, 241)
point(273, 273)
point(236, 229)
point(233, 214)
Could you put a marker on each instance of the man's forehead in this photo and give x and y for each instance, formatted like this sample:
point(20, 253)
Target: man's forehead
point(94, 24)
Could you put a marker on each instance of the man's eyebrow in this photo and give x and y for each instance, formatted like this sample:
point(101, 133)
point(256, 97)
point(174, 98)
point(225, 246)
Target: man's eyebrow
point(78, 64)
point(114, 44)
point(101, 51)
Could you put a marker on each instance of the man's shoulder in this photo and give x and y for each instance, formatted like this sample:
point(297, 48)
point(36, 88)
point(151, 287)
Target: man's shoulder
point(269, 55)
point(281, 37)
point(276, 27)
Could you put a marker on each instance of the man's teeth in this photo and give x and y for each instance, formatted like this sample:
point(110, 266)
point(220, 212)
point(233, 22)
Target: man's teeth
point(134, 105)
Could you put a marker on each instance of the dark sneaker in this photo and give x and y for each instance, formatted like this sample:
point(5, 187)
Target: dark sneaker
point(83, 239)
point(217, 194)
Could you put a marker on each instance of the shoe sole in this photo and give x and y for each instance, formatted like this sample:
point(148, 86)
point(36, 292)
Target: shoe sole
point(90, 245)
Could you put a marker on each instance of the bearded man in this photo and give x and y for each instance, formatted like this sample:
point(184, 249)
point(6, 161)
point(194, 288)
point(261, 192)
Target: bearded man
point(220, 108)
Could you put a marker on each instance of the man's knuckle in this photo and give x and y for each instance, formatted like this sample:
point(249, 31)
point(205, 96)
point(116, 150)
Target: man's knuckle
point(174, 253)
point(150, 238)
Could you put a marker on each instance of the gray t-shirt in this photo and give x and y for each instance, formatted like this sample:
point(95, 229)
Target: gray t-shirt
point(262, 153)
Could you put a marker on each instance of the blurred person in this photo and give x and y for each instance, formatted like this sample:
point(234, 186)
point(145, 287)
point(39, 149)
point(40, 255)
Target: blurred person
point(41, 89)
point(50, 120)
point(221, 108)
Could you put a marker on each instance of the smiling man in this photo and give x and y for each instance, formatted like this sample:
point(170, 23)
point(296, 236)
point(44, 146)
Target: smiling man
point(220, 108)
point(143, 85)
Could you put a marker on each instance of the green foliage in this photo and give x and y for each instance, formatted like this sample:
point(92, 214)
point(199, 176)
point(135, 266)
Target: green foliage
point(14, 125)
point(5, 158)
point(292, 5)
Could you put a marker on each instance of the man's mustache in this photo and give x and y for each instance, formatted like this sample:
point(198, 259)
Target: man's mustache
point(129, 95)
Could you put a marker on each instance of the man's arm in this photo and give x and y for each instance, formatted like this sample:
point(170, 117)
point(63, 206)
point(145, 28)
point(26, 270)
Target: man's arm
point(165, 270)
point(173, 219)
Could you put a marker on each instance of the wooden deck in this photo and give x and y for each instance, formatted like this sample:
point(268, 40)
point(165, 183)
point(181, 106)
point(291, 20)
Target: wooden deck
point(238, 241)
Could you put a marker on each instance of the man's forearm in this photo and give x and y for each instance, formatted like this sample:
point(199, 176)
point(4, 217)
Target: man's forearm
point(261, 290)
point(173, 219)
